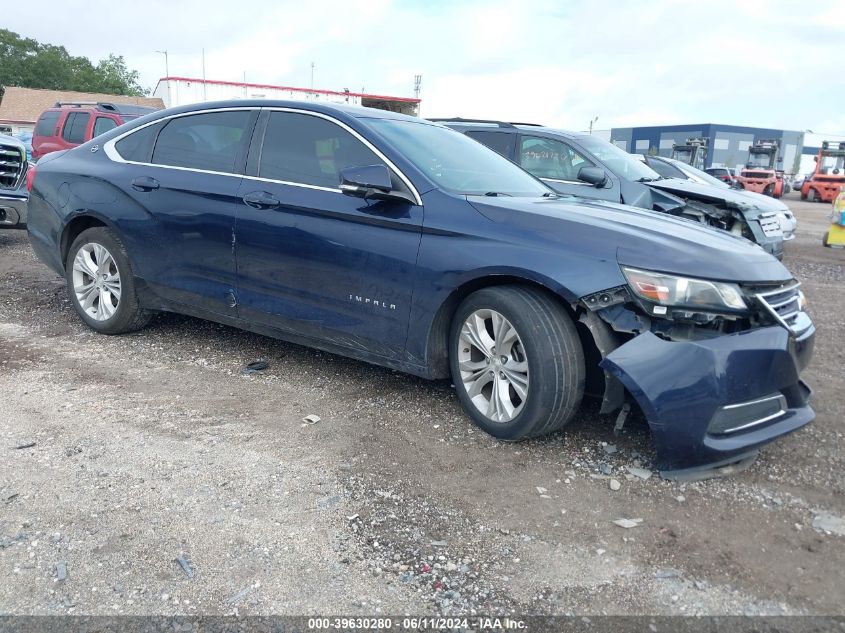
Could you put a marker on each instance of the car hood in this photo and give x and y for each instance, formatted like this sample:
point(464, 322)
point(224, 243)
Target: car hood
point(635, 237)
point(11, 140)
point(708, 193)
point(766, 203)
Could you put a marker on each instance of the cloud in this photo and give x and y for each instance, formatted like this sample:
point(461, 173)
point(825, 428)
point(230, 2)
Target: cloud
point(629, 62)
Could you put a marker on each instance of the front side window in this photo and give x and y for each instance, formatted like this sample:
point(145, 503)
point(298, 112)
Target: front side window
point(454, 161)
point(75, 126)
point(310, 150)
point(547, 158)
point(47, 123)
point(212, 141)
point(103, 124)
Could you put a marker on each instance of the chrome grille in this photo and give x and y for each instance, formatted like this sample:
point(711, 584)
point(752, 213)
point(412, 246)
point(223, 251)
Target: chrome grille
point(770, 224)
point(12, 166)
point(783, 303)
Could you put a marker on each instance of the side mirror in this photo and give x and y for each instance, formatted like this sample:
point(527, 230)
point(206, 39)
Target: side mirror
point(371, 182)
point(360, 181)
point(593, 175)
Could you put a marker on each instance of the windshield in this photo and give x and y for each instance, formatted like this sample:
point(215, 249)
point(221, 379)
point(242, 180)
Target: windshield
point(682, 154)
point(759, 160)
point(832, 164)
point(618, 160)
point(702, 176)
point(456, 162)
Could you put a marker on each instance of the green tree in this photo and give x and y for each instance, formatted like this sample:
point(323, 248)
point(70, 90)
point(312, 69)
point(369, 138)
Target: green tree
point(28, 63)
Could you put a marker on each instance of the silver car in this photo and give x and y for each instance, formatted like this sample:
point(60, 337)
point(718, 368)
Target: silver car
point(13, 193)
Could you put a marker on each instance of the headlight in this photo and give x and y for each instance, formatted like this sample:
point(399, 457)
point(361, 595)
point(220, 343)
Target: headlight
point(683, 292)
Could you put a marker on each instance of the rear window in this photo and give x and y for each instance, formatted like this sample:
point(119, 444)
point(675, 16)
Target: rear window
point(502, 142)
point(46, 125)
point(209, 141)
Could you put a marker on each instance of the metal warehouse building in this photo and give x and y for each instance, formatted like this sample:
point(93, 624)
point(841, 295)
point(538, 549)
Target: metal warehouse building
point(727, 144)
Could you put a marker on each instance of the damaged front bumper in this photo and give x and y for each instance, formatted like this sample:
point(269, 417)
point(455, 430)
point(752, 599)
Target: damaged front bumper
point(712, 403)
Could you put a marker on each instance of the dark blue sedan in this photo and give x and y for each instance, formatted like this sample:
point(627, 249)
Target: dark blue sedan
point(406, 244)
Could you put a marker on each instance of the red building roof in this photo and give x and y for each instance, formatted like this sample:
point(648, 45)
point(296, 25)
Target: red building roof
point(272, 87)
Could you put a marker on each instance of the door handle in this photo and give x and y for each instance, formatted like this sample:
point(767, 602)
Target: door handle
point(145, 183)
point(261, 200)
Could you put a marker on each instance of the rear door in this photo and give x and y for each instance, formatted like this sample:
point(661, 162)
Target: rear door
point(75, 129)
point(311, 260)
point(185, 172)
point(557, 163)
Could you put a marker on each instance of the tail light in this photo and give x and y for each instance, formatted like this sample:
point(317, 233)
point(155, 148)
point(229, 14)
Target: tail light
point(30, 177)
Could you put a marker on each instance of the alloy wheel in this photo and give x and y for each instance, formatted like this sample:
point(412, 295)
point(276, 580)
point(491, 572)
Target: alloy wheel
point(493, 365)
point(96, 281)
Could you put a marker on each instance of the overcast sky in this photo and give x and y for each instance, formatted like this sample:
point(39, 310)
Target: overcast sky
point(647, 62)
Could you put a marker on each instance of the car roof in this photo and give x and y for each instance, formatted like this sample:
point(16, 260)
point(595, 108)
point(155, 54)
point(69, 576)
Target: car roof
point(503, 126)
point(323, 107)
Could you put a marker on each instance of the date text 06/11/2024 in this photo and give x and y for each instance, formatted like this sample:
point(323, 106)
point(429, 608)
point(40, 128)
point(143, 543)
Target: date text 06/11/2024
point(415, 623)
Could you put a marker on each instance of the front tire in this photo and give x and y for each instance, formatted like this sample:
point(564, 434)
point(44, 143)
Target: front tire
point(811, 195)
point(516, 362)
point(100, 283)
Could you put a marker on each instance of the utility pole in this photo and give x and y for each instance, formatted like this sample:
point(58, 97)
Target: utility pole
point(312, 75)
point(204, 92)
point(417, 85)
point(166, 74)
point(591, 123)
point(166, 63)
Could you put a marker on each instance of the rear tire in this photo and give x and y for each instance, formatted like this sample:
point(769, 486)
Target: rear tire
point(811, 195)
point(101, 285)
point(825, 238)
point(533, 383)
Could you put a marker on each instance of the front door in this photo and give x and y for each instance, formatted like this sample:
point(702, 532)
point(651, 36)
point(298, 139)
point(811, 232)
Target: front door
point(313, 261)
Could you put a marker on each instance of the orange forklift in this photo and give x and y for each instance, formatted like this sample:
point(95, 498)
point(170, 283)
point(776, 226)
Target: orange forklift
point(760, 173)
point(828, 177)
point(693, 152)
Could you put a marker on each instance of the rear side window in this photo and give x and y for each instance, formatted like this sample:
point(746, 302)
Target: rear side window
point(547, 158)
point(310, 150)
point(501, 142)
point(211, 141)
point(103, 124)
point(138, 146)
point(75, 126)
point(46, 125)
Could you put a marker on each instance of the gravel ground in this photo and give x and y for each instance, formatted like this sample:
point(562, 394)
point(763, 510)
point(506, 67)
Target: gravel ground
point(146, 474)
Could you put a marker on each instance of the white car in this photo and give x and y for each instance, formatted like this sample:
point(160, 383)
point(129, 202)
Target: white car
point(671, 168)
